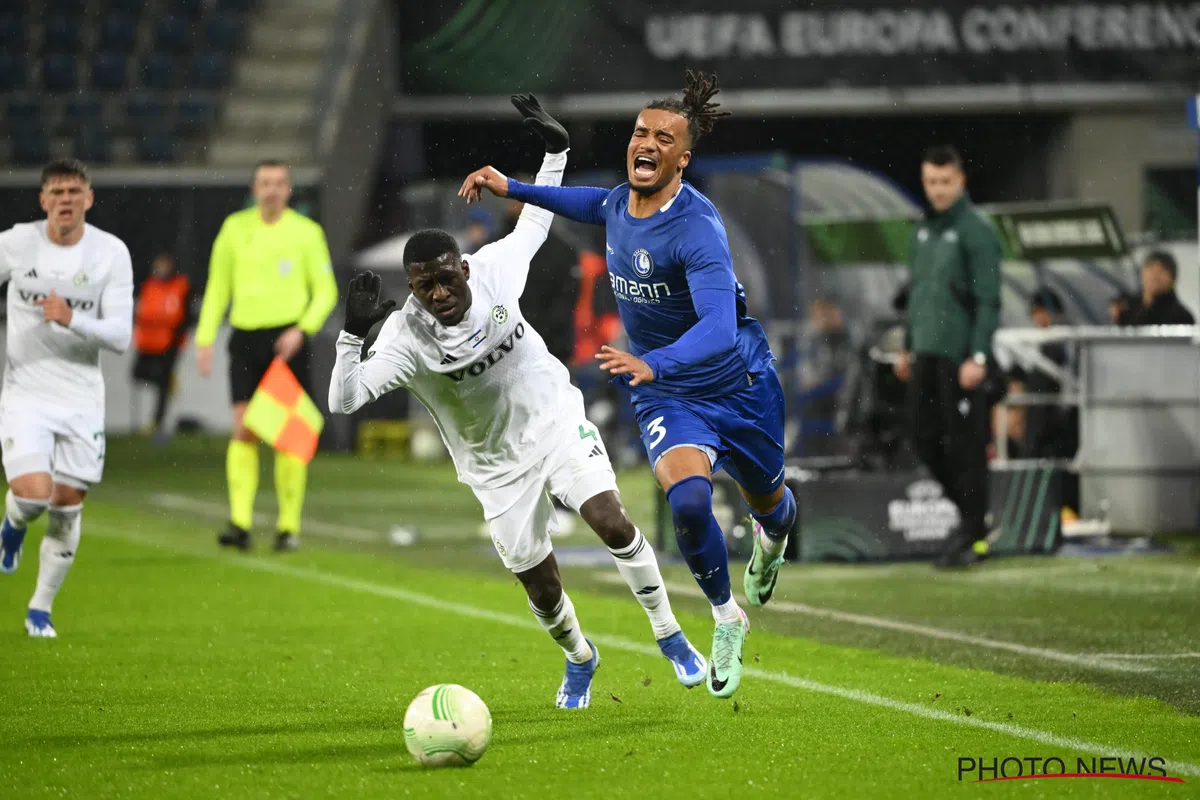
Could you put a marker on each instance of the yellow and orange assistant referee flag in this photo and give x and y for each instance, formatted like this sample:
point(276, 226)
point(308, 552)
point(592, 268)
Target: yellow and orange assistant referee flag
point(283, 415)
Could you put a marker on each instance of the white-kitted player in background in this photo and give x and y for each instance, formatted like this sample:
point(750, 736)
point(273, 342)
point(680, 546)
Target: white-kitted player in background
point(70, 293)
point(509, 415)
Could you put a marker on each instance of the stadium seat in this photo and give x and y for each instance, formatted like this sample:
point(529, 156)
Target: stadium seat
point(173, 34)
point(133, 7)
point(195, 113)
point(145, 107)
point(209, 71)
point(12, 32)
point(62, 35)
point(190, 8)
point(84, 110)
point(158, 70)
point(12, 71)
point(110, 71)
point(65, 6)
point(235, 5)
point(59, 72)
point(156, 147)
point(118, 32)
point(23, 110)
point(93, 144)
point(224, 32)
point(31, 146)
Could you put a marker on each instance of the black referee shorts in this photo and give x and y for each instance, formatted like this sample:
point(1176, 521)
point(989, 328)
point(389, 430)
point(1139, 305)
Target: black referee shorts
point(251, 353)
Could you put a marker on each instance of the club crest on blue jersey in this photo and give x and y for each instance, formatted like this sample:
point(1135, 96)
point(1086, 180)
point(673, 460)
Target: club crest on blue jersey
point(643, 264)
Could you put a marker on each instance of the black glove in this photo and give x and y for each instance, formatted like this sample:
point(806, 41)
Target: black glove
point(546, 126)
point(363, 308)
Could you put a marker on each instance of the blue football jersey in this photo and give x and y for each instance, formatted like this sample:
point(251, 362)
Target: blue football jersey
point(654, 264)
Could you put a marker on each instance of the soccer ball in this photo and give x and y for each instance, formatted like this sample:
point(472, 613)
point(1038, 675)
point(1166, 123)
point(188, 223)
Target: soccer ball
point(447, 726)
point(426, 445)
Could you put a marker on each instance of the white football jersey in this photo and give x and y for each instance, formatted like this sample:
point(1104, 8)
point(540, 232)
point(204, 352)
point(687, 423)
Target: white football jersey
point(48, 364)
point(490, 383)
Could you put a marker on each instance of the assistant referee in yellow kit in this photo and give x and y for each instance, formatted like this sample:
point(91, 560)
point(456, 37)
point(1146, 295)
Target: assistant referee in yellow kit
point(273, 264)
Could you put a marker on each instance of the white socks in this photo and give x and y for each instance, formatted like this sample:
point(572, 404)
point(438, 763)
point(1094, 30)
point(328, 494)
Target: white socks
point(21, 511)
point(727, 612)
point(639, 568)
point(563, 627)
point(772, 548)
point(57, 554)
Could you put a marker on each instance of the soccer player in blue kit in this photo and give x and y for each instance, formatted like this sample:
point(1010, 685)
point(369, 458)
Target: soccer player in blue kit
point(700, 371)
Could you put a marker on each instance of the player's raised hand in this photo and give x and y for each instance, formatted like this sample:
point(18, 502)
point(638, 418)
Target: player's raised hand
point(536, 118)
point(618, 362)
point(55, 309)
point(363, 308)
point(488, 178)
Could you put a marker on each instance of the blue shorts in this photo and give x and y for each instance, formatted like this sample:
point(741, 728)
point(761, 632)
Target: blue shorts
point(743, 429)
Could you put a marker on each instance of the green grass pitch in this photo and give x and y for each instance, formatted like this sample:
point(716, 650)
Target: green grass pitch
point(182, 671)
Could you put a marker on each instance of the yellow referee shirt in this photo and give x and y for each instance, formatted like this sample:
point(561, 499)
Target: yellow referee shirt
point(275, 275)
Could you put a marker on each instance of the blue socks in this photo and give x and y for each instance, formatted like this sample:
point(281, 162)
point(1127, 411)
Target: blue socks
point(700, 538)
point(778, 522)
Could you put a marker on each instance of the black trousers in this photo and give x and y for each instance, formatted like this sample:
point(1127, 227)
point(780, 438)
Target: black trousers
point(950, 432)
point(156, 369)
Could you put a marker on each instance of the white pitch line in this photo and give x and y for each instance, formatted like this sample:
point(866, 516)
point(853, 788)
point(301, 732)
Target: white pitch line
point(620, 643)
point(177, 502)
point(1149, 656)
point(867, 620)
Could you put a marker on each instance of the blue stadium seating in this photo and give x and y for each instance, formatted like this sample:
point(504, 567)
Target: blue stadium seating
point(85, 110)
point(65, 6)
point(110, 71)
point(195, 112)
point(12, 71)
point(173, 33)
point(209, 71)
point(191, 8)
point(31, 146)
point(62, 34)
point(158, 70)
point(59, 72)
point(93, 144)
point(156, 147)
point(224, 32)
point(23, 109)
point(118, 32)
point(12, 32)
point(145, 107)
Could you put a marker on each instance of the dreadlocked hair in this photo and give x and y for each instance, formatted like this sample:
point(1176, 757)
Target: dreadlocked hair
point(696, 106)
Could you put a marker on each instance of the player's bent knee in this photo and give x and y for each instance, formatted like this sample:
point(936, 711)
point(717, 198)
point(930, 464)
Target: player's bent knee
point(691, 506)
point(23, 510)
point(605, 515)
point(35, 486)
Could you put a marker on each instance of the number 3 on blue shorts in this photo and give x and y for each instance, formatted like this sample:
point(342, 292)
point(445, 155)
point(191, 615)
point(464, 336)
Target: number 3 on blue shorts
point(655, 432)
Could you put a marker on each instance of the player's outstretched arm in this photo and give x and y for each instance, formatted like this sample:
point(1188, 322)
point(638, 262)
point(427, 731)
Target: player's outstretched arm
point(578, 203)
point(112, 328)
point(357, 381)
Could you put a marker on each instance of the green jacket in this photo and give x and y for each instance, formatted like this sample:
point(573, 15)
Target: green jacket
point(954, 292)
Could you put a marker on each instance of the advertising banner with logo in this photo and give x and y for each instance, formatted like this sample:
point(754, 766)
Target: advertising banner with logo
point(853, 516)
point(622, 45)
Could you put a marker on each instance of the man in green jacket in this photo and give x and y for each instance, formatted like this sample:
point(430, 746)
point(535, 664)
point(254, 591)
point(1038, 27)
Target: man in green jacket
point(953, 310)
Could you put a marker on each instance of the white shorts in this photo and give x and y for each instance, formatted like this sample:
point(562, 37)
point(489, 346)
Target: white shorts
point(521, 514)
point(67, 444)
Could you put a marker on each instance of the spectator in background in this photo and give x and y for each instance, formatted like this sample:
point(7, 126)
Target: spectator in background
point(1052, 429)
point(1160, 305)
point(160, 323)
point(822, 374)
point(1120, 308)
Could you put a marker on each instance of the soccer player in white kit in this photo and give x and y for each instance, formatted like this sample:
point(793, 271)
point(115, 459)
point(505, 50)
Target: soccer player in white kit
point(509, 415)
point(70, 293)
